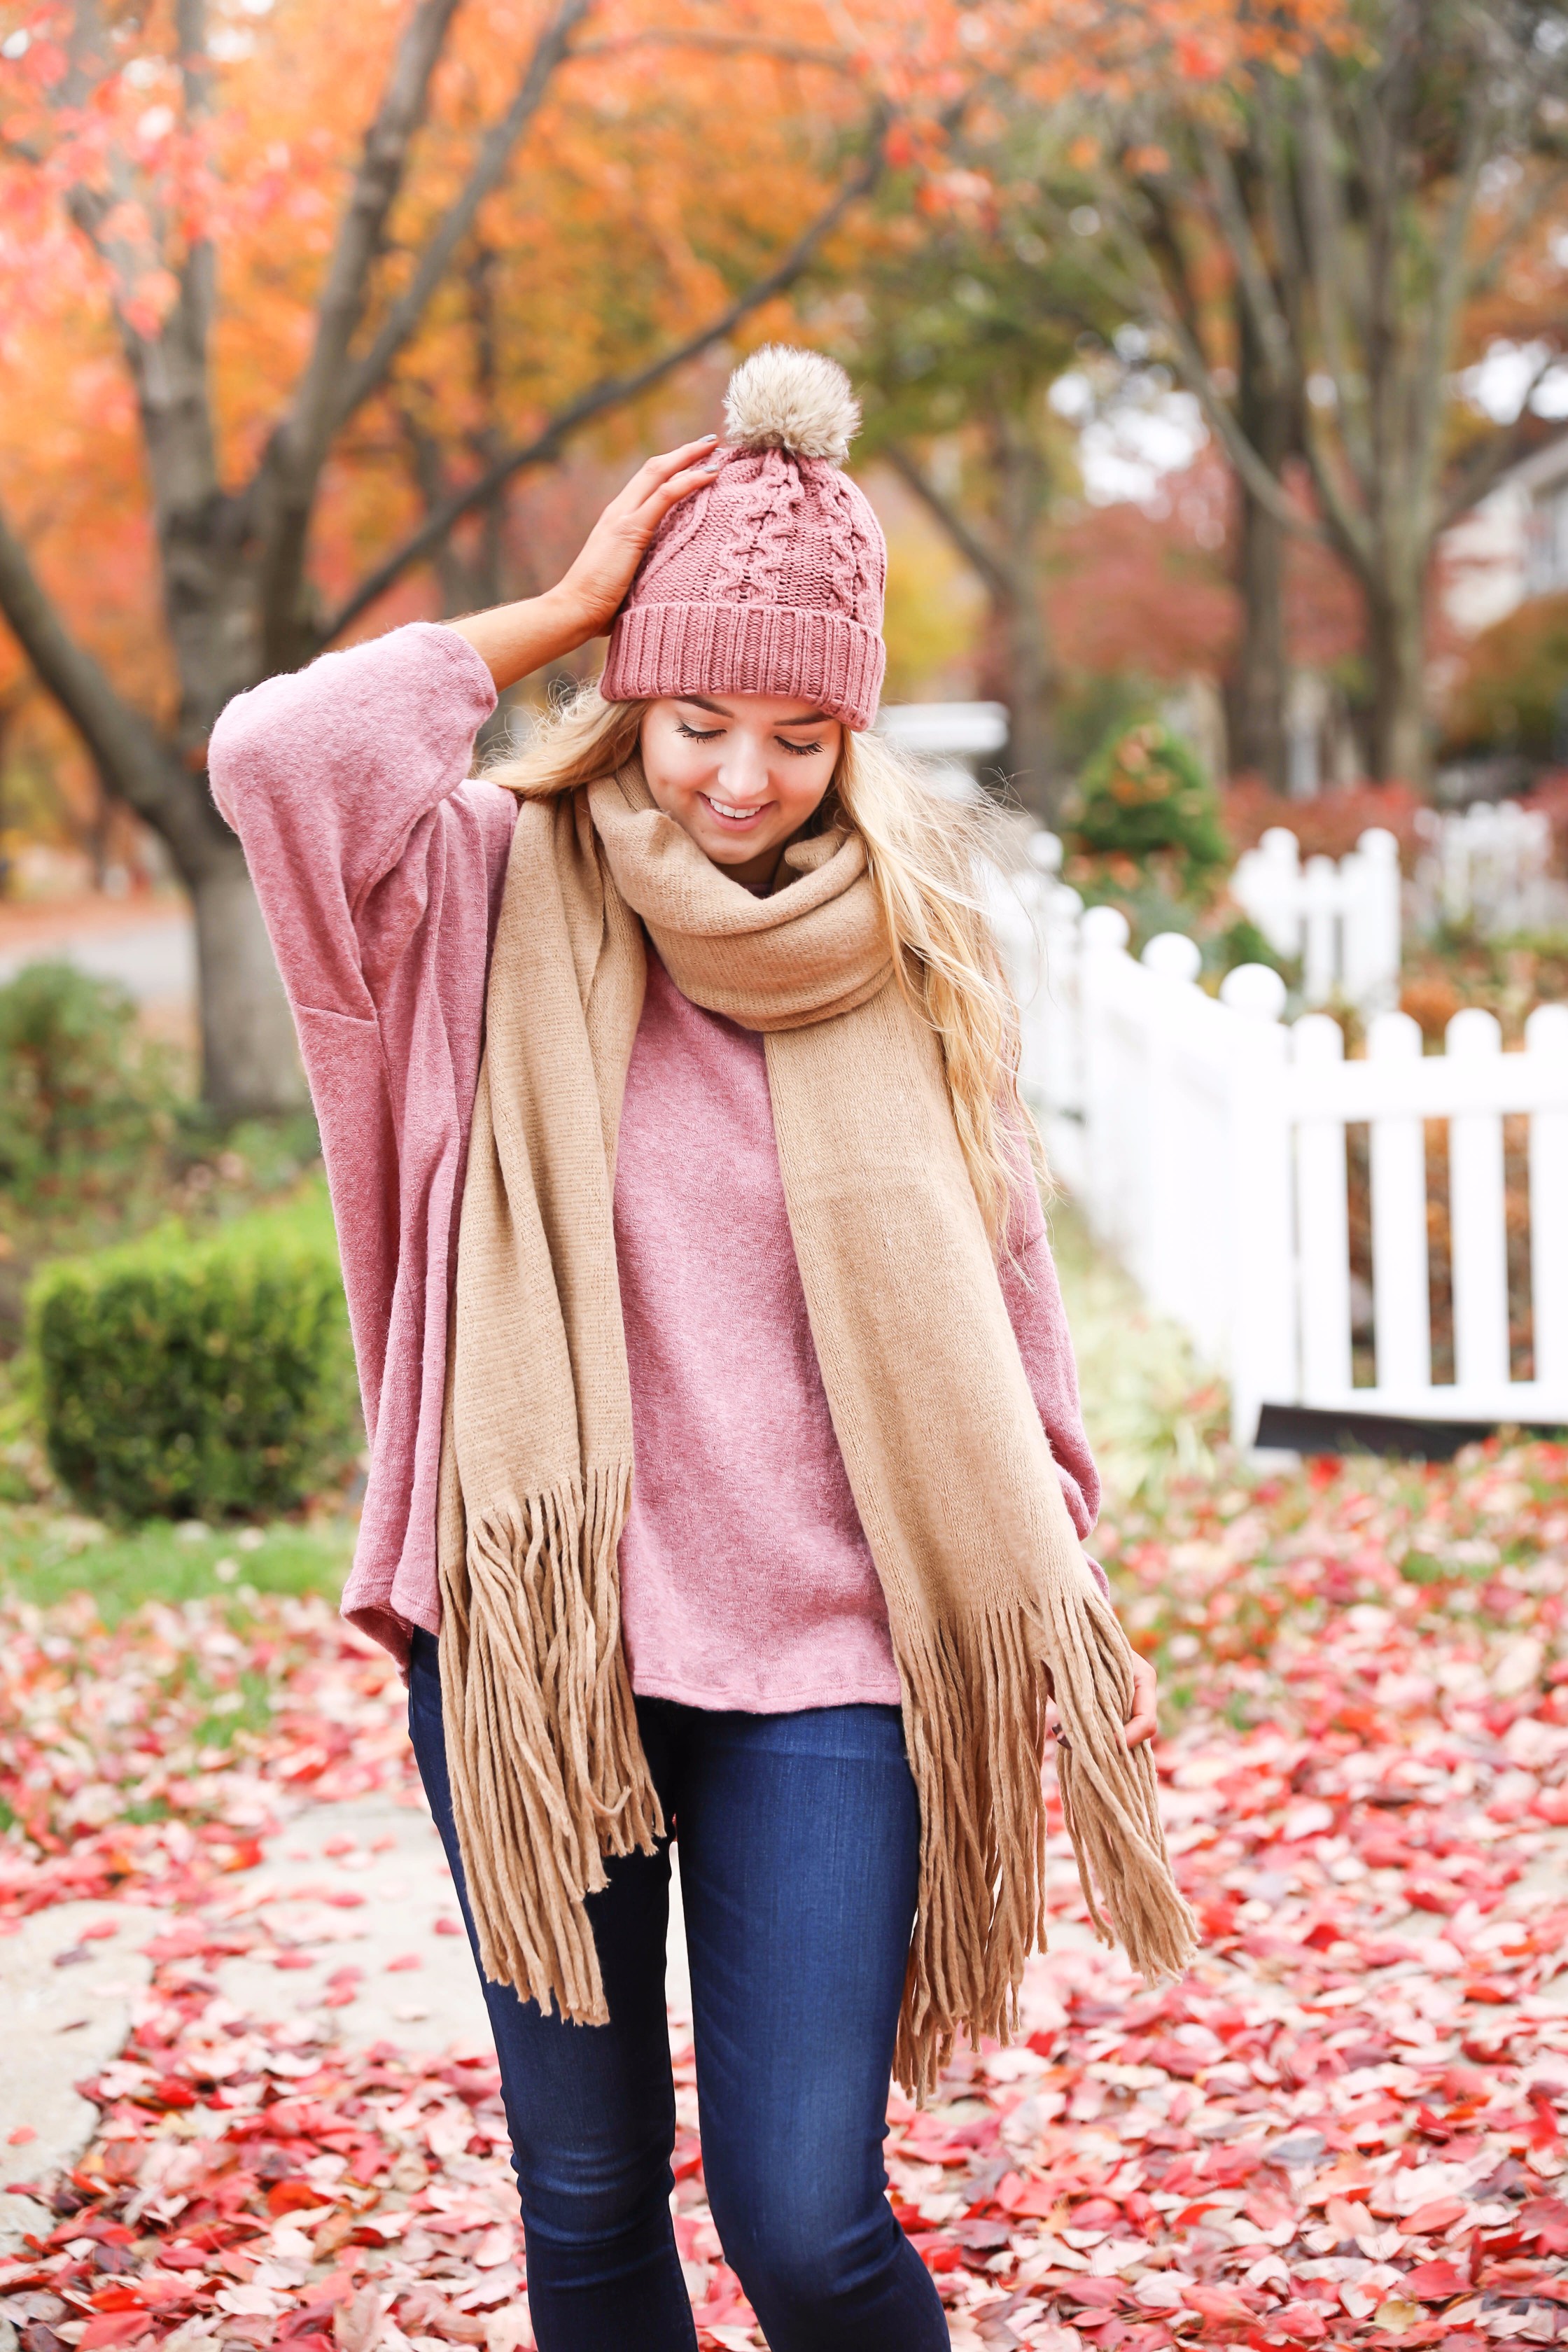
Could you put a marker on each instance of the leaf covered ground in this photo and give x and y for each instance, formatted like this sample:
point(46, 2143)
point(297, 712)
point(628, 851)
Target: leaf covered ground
point(1344, 2126)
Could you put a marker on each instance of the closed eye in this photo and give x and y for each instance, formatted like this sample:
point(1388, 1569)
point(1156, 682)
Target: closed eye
point(801, 751)
point(697, 734)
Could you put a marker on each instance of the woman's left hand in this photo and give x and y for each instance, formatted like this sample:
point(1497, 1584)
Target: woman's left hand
point(1144, 1723)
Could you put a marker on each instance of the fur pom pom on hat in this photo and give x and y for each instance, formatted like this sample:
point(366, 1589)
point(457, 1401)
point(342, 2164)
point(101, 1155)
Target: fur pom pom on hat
point(771, 579)
point(798, 401)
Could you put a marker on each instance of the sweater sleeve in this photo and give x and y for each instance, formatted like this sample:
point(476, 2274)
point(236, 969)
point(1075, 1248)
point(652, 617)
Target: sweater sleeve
point(325, 774)
point(1039, 1322)
point(379, 867)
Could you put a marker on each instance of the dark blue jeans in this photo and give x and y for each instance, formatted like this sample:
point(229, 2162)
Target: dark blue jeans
point(799, 1855)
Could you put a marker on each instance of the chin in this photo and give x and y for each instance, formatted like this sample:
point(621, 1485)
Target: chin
point(729, 851)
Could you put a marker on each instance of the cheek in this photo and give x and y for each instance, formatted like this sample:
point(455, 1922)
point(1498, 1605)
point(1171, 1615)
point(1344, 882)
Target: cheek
point(673, 766)
point(801, 787)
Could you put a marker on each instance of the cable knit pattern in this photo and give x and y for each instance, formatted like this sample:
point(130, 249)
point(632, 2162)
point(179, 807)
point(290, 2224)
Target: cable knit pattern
point(771, 581)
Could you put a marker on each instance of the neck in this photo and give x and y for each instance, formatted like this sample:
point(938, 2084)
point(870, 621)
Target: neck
point(758, 874)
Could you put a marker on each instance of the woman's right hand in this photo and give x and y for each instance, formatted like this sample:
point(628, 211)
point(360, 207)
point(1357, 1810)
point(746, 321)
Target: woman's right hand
point(514, 639)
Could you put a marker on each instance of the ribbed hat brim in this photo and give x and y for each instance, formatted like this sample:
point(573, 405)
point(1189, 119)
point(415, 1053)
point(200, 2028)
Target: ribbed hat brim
point(824, 658)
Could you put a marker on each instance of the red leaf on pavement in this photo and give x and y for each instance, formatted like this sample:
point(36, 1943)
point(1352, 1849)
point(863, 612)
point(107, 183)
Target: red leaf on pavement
point(107, 2327)
point(1434, 2282)
point(1431, 2220)
point(1303, 2323)
point(1219, 2306)
point(293, 2197)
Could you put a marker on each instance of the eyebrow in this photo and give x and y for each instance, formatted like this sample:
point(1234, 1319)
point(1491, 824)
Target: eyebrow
point(701, 702)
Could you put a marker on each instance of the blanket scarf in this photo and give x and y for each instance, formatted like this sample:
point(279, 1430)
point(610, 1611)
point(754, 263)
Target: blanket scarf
point(992, 1606)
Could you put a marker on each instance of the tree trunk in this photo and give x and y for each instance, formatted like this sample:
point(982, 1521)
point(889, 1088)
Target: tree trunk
point(250, 1062)
point(1029, 760)
point(1396, 646)
point(1257, 688)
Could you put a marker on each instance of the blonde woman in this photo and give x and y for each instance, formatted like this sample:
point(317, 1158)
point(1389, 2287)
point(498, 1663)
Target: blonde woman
point(727, 1472)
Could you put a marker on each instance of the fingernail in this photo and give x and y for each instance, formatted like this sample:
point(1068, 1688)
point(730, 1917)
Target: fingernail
point(707, 436)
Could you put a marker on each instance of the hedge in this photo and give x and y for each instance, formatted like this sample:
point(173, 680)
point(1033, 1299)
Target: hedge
point(195, 1377)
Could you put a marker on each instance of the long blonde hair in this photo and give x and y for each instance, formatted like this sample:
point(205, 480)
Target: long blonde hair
point(924, 853)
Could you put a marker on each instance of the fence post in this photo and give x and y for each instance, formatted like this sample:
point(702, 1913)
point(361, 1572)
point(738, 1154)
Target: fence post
point(1267, 885)
point(1322, 1226)
point(1476, 1215)
point(1546, 1034)
point(1319, 907)
point(1175, 962)
point(1262, 1316)
point(1402, 1310)
point(1372, 921)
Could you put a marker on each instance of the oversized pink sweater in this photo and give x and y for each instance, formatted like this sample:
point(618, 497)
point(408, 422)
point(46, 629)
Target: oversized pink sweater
point(746, 1578)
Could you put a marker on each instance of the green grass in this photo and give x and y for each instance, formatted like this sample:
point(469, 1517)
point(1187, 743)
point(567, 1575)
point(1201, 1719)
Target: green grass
point(47, 1555)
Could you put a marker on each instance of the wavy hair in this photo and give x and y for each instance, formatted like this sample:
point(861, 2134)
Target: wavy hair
point(926, 856)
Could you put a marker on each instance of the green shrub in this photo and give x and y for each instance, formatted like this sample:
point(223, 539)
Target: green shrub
point(85, 1099)
point(195, 1377)
point(1144, 796)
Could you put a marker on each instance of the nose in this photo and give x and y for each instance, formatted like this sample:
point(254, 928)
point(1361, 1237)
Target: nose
point(743, 769)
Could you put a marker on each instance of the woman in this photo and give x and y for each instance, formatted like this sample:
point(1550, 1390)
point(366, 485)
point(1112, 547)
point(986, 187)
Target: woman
point(746, 1202)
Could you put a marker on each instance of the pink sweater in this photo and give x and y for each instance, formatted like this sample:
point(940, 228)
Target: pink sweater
point(746, 1578)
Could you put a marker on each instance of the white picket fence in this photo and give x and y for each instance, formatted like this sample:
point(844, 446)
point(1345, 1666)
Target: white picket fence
point(1342, 920)
point(1488, 868)
point(1205, 1141)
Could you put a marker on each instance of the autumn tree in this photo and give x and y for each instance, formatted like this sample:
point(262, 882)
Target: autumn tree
point(244, 247)
point(965, 322)
point(973, 320)
point(1367, 202)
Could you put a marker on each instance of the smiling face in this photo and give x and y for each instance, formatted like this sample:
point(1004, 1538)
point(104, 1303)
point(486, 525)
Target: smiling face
point(741, 773)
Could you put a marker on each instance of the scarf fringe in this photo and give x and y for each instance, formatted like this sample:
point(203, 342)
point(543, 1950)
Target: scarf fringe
point(976, 1733)
point(1109, 1792)
point(547, 1770)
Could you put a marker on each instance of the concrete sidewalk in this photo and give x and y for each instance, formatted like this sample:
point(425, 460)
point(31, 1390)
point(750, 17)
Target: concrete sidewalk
point(357, 1899)
point(148, 946)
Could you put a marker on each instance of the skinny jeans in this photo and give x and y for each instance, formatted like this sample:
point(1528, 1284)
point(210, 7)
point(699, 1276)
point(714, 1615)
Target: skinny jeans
point(799, 1859)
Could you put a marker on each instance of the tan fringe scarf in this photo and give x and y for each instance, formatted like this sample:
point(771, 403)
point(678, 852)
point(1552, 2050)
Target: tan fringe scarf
point(991, 1603)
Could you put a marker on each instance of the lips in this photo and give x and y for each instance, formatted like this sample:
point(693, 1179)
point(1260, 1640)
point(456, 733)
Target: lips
point(733, 820)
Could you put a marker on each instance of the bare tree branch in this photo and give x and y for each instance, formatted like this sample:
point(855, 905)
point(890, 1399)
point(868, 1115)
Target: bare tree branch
point(1268, 319)
point(1475, 479)
point(1448, 290)
point(364, 375)
point(610, 391)
point(281, 495)
point(982, 560)
point(789, 53)
point(1340, 306)
point(1261, 482)
point(378, 180)
point(1542, 195)
point(131, 757)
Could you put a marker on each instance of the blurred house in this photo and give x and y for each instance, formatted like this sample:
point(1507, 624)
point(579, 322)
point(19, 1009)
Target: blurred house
point(1501, 680)
point(1514, 545)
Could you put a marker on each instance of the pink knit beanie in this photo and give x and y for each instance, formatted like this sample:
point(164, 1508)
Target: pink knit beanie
point(770, 580)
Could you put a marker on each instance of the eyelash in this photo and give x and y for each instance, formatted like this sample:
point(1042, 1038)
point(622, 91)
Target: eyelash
point(698, 735)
